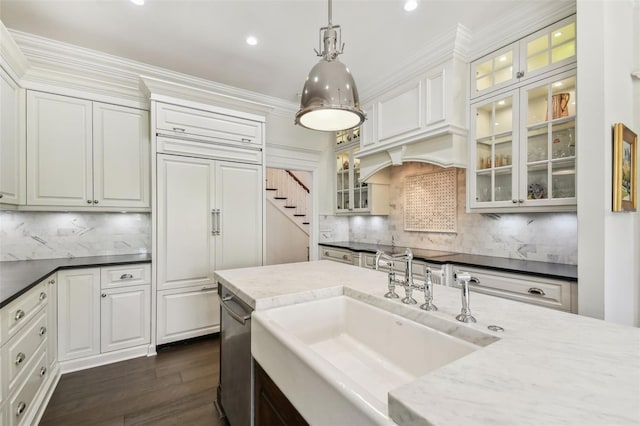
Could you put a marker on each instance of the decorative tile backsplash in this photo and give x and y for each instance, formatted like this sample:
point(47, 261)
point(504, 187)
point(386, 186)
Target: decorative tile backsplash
point(47, 235)
point(546, 237)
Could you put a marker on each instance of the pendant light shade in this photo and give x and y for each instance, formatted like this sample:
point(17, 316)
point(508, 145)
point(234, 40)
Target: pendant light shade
point(329, 99)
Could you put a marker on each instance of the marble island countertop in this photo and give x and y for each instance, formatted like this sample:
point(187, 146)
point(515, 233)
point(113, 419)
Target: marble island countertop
point(542, 269)
point(548, 367)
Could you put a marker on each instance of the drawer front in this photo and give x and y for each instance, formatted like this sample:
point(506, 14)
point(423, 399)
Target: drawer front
point(20, 403)
point(343, 256)
point(125, 275)
point(24, 346)
point(209, 149)
point(18, 313)
point(180, 120)
point(549, 293)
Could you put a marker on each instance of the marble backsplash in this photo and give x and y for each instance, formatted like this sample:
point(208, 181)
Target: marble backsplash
point(47, 235)
point(545, 237)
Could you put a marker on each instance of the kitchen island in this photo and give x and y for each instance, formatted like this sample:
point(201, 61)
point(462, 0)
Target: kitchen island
point(548, 367)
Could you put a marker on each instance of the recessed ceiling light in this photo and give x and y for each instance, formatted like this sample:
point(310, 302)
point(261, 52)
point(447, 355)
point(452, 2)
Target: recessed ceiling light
point(410, 5)
point(558, 34)
point(252, 41)
point(137, 2)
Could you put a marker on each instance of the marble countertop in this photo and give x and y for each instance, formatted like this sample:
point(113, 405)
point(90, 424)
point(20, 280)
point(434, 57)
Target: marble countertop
point(549, 367)
point(17, 277)
point(529, 267)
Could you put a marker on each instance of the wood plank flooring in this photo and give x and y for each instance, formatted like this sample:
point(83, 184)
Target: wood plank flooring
point(176, 387)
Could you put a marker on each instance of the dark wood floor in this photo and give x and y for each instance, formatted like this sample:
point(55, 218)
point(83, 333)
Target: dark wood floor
point(176, 387)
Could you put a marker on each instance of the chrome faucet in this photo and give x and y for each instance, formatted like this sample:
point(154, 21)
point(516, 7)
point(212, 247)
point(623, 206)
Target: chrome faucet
point(407, 283)
point(464, 278)
point(428, 293)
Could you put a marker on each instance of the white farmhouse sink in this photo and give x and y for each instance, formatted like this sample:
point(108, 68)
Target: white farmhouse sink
point(336, 359)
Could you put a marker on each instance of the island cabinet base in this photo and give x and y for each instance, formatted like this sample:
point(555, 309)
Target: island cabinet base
point(272, 406)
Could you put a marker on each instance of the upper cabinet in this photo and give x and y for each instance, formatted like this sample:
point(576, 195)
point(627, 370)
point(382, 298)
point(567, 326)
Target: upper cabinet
point(12, 141)
point(522, 154)
point(354, 195)
point(549, 49)
point(86, 154)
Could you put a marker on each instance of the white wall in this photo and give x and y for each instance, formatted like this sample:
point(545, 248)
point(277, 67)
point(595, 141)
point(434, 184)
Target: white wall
point(608, 248)
point(286, 243)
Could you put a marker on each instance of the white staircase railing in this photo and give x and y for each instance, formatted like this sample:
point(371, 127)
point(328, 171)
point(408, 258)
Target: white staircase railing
point(289, 189)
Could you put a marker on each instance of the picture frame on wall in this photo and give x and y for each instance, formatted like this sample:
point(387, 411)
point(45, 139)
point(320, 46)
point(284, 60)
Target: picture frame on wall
point(625, 169)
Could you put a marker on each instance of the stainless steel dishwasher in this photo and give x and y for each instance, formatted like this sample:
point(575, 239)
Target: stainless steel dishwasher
point(235, 391)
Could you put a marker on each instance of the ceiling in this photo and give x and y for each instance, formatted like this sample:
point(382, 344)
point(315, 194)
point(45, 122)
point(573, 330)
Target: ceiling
point(206, 38)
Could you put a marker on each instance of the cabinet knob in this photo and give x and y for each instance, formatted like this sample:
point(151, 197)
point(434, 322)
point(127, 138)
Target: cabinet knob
point(43, 371)
point(1, 195)
point(19, 315)
point(43, 296)
point(20, 358)
point(521, 201)
point(89, 201)
point(43, 331)
point(21, 408)
point(326, 253)
point(104, 295)
point(345, 257)
point(95, 201)
point(514, 201)
point(520, 74)
point(52, 282)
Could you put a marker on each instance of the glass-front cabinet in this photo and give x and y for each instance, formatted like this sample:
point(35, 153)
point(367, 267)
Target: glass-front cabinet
point(523, 147)
point(354, 196)
point(549, 49)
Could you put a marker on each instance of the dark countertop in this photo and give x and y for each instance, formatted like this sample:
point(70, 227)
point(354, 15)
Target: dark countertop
point(17, 277)
point(529, 267)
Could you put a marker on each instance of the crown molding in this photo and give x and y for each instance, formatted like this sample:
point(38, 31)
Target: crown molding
point(85, 70)
point(12, 59)
point(528, 18)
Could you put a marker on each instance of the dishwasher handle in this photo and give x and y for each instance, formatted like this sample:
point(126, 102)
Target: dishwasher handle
point(242, 319)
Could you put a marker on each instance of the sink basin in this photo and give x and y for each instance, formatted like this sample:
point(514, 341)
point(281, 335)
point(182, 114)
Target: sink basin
point(336, 359)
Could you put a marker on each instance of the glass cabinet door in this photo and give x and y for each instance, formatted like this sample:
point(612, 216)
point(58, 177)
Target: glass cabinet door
point(494, 70)
point(551, 47)
point(360, 189)
point(342, 180)
point(550, 145)
point(495, 151)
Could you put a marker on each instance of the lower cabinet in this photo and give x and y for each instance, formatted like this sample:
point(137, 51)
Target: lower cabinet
point(271, 405)
point(103, 310)
point(339, 255)
point(187, 312)
point(26, 372)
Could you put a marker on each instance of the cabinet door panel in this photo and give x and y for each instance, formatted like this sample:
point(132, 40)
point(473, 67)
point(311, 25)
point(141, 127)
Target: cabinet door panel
point(121, 156)
point(59, 154)
point(187, 313)
point(126, 320)
point(185, 216)
point(239, 198)
point(78, 313)
point(400, 113)
point(12, 144)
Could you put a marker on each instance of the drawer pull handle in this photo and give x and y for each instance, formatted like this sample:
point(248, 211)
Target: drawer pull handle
point(178, 129)
point(43, 371)
point(536, 291)
point(326, 253)
point(19, 315)
point(21, 408)
point(20, 358)
point(103, 295)
point(43, 296)
point(246, 140)
point(126, 276)
point(43, 331)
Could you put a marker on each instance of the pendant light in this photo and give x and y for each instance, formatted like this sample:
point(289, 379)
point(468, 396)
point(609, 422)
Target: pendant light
point(330, 99)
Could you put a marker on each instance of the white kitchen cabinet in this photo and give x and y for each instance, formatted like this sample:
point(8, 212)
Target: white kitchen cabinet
point(78, 313)
point(550, 293)
point(209, 217)
point(86, 154)
point(339, 255)
point(125, 317)
point(12, 141)
point(121, 156)
point(523, 148)
point(352, 195)
point(187, 313)
point(550, 49)
point(52, 321)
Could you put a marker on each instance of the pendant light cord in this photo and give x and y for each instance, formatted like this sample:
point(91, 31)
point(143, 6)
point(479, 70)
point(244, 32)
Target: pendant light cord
point(330, 10)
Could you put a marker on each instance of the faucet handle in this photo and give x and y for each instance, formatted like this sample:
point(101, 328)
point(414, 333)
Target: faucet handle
point(391, 294)
point(428, 293)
